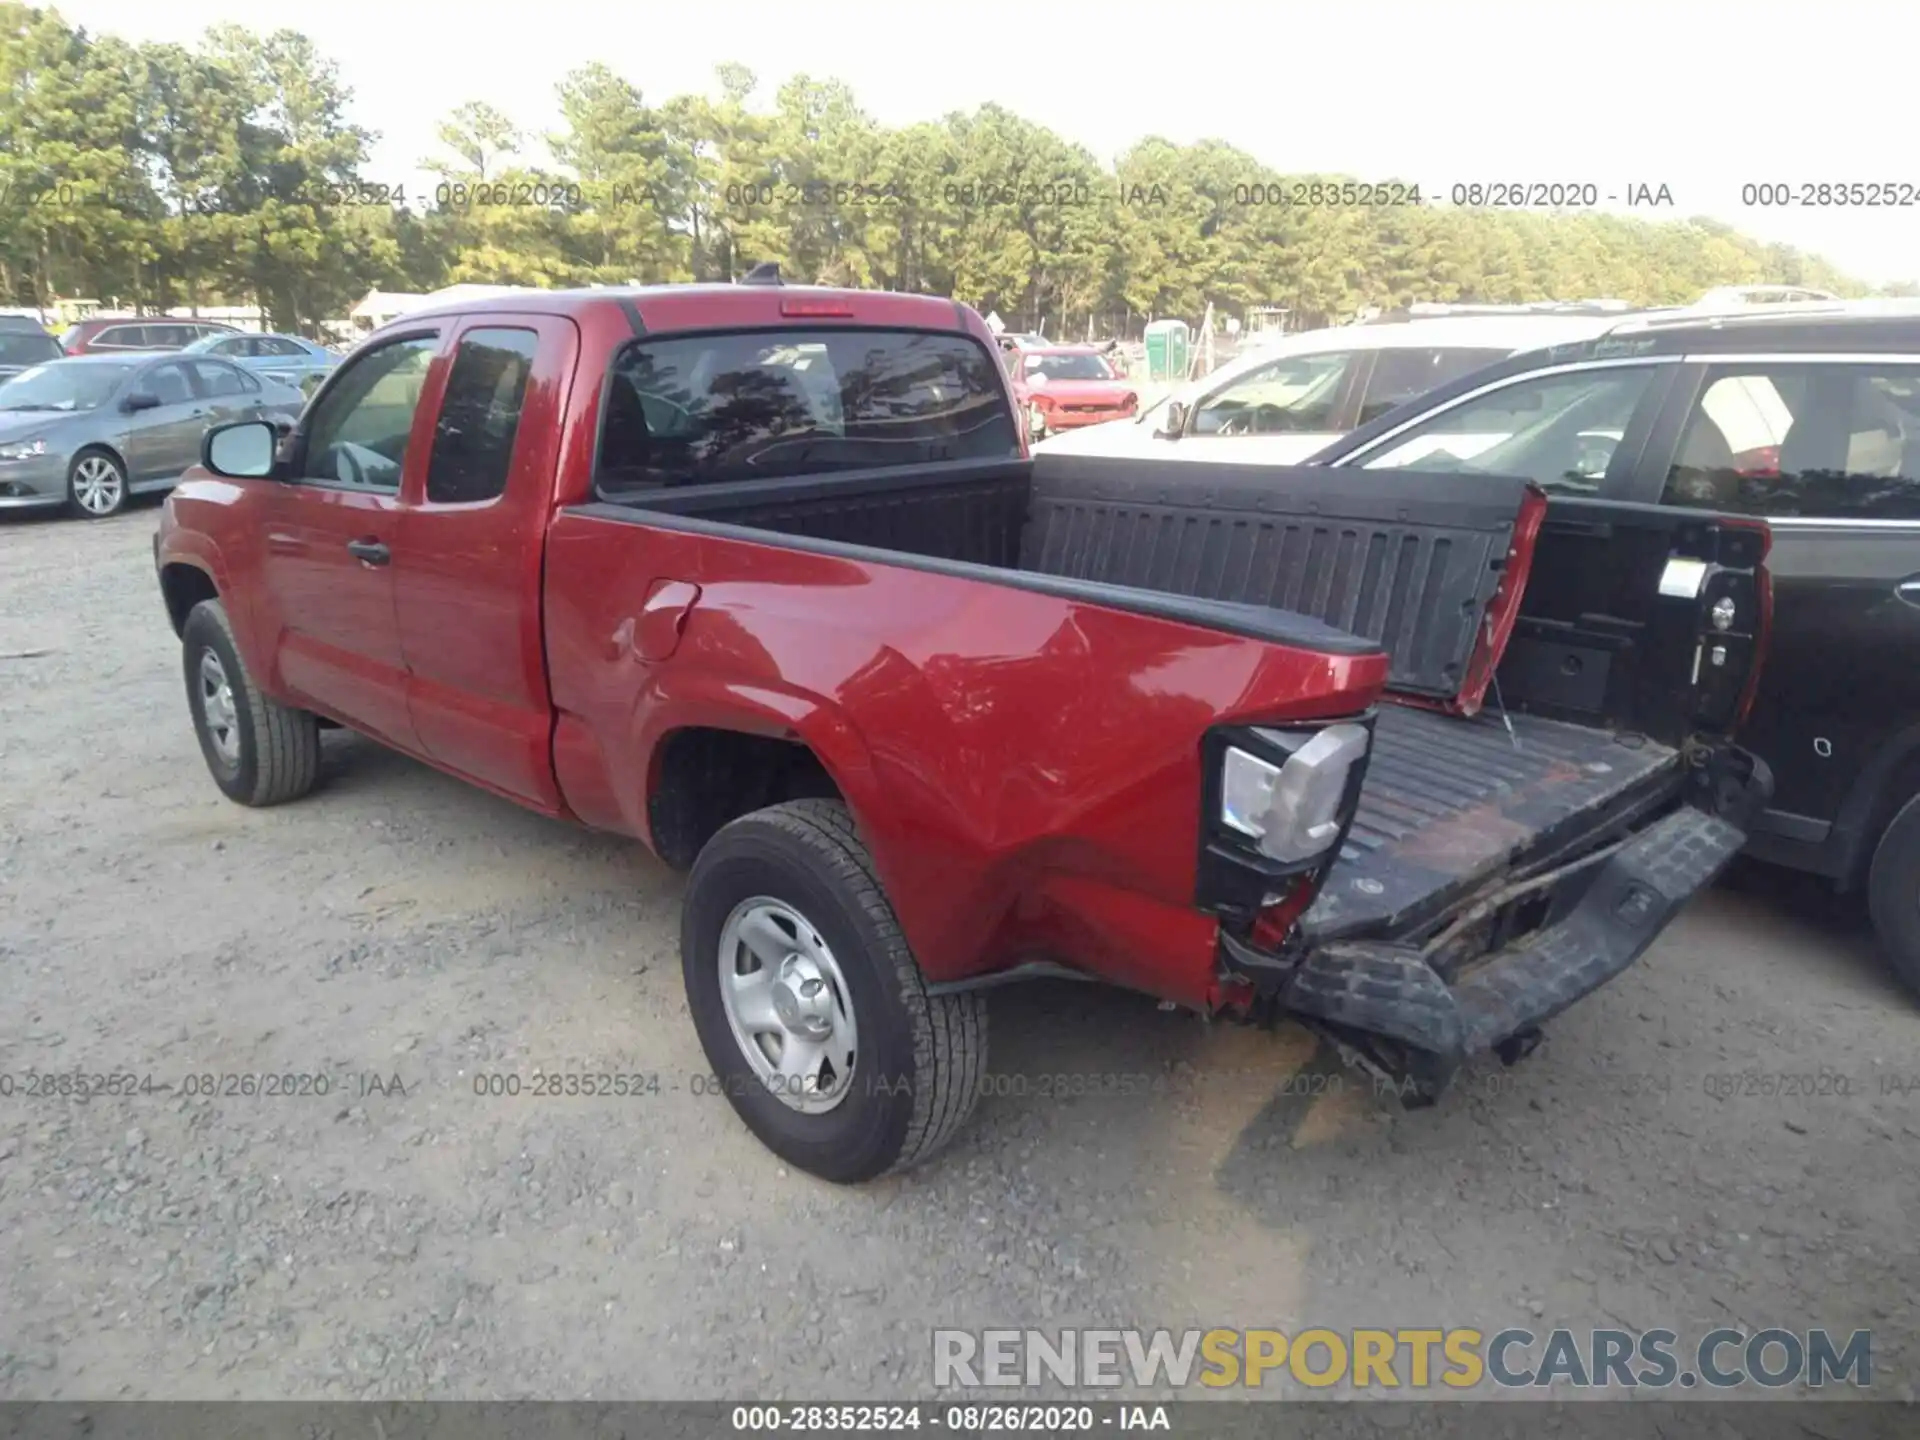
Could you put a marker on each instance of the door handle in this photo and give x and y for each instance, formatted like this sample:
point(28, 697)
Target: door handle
point(372, 552)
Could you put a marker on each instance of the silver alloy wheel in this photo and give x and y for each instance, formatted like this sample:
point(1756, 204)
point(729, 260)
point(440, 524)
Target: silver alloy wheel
point(788, 1004)
point(97, 485)
point(216, 704)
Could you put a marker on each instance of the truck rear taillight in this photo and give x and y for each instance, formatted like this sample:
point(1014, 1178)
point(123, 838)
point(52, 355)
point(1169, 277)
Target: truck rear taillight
point(838, 309)
point(1293, 809)
point(1276, 804)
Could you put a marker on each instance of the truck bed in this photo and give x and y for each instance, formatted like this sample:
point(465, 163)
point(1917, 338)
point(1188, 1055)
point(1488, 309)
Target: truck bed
point(1451, 806)
point(1450, 803)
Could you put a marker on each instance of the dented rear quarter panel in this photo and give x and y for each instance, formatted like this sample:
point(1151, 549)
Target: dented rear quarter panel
point(1024, 767)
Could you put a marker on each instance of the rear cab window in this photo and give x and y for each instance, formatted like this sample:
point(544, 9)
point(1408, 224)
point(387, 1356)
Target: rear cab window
point(774, 404)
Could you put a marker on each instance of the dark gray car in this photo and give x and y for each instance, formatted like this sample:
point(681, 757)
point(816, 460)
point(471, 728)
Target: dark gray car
point(89, 431)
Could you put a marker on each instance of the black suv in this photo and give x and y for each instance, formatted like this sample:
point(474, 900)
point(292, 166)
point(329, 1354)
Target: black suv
point(1810, 419)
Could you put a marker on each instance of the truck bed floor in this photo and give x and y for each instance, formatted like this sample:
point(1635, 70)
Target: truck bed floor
point(1449, 804)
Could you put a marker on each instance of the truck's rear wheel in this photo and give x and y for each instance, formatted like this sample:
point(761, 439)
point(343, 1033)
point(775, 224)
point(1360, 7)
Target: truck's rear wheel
point(260, 752)
point(810, 1006)
point(1893, 893)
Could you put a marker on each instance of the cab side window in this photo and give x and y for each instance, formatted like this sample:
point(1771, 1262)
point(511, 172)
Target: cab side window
point(480, 416)
point(1822, 441)
point(357, 436)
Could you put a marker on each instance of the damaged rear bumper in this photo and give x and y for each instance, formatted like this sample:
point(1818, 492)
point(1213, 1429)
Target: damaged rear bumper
point(1387, 1006)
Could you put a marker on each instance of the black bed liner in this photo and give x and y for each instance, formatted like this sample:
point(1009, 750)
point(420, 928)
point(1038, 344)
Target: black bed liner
point(1405, 558)
point(1450, 803)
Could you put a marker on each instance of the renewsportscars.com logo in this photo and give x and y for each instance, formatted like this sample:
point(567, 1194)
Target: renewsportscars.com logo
point(1406, 1359)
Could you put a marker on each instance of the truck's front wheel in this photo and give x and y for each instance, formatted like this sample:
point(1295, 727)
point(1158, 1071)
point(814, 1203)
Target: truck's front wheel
point(810, 1006)
point(260, 752)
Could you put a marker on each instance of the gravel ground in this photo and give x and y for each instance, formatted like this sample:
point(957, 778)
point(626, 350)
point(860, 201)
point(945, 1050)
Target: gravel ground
point(399, 934)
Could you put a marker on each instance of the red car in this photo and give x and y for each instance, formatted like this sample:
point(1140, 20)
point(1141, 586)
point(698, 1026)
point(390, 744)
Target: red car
point(1067, 386)
point(765, 578)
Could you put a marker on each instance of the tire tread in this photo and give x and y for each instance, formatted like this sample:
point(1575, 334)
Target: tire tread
point(949, 1031)
point(286, 741)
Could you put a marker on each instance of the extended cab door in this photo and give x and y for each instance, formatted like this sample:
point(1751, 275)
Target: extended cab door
point(1827, 448)
point(467, 561)
point(329, 534)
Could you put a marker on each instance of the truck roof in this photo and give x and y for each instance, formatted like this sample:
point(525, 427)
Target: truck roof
point(651, 308)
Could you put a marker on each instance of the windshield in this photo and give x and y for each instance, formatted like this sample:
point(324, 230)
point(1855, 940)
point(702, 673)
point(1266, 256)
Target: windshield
point(1293, 395)
point(1067, 367)
point(62, 386)
point(22, 347)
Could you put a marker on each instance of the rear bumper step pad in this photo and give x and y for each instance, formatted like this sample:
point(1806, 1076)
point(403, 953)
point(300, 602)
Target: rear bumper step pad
point(1387, 991)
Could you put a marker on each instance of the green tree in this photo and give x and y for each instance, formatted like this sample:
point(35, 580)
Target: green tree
point(161, 175)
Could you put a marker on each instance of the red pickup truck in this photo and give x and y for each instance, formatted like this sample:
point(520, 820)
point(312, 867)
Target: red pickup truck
point(765, 577)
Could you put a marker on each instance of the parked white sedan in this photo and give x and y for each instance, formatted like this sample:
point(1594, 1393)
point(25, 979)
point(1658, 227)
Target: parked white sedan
point(1279, 404)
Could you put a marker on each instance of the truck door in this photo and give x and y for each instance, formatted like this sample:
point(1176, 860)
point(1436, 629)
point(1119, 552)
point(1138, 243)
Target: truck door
point(329, 532)
point(467, 560)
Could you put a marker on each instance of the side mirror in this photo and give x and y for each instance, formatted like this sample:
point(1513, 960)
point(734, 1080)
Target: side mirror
point(1173, 421)
point(240, 451)
point(140, 400)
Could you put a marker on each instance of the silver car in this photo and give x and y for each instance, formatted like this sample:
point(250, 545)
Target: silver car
point(90, 431)
point(293, 358)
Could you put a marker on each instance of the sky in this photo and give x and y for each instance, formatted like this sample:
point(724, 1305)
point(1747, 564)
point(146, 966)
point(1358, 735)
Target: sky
point(1702, 97)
